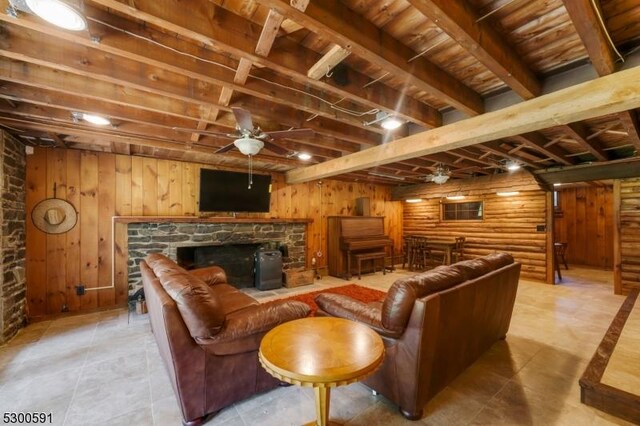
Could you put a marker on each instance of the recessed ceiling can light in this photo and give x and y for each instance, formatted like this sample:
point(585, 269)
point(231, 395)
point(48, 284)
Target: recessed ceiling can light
point(413, 200)
point(508, 194)
point(391, 123)
point(59, 13)
point(96, 119)
point(304, 156)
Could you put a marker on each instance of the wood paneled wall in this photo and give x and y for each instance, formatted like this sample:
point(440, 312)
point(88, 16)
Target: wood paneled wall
point(509, 225)
point(586, 224)
point(102, 185)
point(627, 258)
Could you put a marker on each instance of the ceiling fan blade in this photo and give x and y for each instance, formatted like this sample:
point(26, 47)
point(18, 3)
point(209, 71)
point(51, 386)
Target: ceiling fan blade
point(203, 132)
point(275, 148)
point(225, 148)
point(293, 133)
point(243, 118)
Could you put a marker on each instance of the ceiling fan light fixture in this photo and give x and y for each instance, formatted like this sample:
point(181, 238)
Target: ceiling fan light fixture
point(64, 14)
point(248, 146)
point(304, 156)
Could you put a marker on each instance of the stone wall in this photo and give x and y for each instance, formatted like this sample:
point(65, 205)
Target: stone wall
point(146, 238)
point(13, 285)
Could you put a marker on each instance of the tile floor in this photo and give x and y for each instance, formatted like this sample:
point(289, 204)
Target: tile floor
point(101, 369)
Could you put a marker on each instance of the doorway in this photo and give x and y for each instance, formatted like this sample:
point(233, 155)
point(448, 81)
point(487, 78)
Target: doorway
point(584, 225)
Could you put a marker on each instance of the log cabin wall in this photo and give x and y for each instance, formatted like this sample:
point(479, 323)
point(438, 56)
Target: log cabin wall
point(509, 225)
point(102, 185)
point(584, 220)
point(627, 221)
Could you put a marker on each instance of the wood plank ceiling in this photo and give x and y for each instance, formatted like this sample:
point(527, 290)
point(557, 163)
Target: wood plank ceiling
point(165, 71)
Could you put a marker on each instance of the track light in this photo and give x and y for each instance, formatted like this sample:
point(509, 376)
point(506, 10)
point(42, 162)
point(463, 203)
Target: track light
point(98, 120)
point(386, 120)
point(513, 165)
point(304, 156)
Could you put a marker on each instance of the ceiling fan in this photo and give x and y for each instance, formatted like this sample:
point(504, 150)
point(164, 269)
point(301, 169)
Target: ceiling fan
point(250, 139)
point(440, 175)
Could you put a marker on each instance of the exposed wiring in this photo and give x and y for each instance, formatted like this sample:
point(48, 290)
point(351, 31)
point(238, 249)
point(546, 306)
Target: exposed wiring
point(494, 10)
point(596, 8)
point(426, 50)
point(189, 55)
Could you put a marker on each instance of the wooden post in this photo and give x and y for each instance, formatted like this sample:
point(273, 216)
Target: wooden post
point(550, 239)
point(617, 260)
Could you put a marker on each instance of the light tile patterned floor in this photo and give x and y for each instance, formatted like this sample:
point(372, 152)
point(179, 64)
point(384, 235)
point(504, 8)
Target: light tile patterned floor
point(99, 369)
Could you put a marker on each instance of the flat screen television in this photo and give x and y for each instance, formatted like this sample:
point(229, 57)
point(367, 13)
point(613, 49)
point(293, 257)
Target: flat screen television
point(222, 191)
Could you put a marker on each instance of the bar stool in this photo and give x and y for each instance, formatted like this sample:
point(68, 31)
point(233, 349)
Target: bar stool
point(458, 251)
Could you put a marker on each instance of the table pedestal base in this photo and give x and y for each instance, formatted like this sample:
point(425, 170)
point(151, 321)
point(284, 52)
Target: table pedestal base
point(323, 399)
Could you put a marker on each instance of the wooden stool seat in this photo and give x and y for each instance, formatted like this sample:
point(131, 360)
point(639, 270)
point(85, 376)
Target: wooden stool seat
point(360, 257)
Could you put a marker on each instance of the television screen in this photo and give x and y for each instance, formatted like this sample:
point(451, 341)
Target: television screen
point(222, 191)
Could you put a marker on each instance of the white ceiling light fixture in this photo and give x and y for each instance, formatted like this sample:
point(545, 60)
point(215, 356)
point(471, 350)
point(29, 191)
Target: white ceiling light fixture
point(413, 200)
point(440, 175)
point(455, 197)
point(304, 156)
point(507, 193)
point(98, 120)
point(387, 121)
point(513, 165)
point(248, 146)
point(557, 184)
point(390, 123)
point(64, 14)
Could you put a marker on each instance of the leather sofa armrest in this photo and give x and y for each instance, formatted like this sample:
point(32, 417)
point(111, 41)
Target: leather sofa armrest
point(211, 275)
point(244, 329)
point(349, 308)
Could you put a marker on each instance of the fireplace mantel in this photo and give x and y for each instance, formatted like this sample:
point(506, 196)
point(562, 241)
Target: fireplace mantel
point(211, 219)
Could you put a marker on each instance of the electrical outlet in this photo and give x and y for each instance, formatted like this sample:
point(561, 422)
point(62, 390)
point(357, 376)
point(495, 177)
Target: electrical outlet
point(80, 290)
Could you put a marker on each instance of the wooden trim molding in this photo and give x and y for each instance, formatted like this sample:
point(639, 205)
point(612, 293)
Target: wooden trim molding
point(601, 396)
point(194, 219)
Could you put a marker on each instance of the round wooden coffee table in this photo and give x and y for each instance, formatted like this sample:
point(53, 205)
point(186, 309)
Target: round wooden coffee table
point(322, 353)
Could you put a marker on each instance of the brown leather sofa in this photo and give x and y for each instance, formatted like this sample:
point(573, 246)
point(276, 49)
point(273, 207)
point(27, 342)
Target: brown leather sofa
point(434, 325)
point(208, 333)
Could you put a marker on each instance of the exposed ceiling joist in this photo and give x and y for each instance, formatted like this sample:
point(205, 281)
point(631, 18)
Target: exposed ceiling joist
point(480, 39)
point(579, 133)
point(323, 67)
point(538, 142)
point(605, 95)
point(236, 38)
point(629, 120)
point(338, 23)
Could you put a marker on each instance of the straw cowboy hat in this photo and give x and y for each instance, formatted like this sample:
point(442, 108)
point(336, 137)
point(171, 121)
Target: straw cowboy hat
point(54, 216)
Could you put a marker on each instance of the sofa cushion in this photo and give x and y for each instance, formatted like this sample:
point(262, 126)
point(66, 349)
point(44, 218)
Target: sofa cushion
point(232, 299)
point(498, 260)
point(398, 304)
point(199, 306)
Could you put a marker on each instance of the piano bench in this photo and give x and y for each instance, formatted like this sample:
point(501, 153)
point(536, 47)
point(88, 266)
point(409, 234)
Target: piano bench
point(360, 257)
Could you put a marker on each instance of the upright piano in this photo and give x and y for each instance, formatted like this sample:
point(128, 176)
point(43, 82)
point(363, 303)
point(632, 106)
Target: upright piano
point(348, 235)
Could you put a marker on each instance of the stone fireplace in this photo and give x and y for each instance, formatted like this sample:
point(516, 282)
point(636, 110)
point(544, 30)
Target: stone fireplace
point(195, 242)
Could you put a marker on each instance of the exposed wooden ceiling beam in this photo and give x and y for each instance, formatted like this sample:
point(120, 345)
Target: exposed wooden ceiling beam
point(269, 32)
point(280, 90)
point(333, 57)
point(460, 22)
point(537, 141)
point(605, 95)
point(60, 143)
point(593, 36)
point(579, 133)
point(338, 23)
point(629, 120)
point(235, 35)
point(495, 148)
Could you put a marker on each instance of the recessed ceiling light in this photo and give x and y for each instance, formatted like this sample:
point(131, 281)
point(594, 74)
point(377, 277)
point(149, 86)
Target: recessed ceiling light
point(508, 194)
point(391, 123)
point(58, 13)
point(304, 156)
point(413, 200)
point(96, 119)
